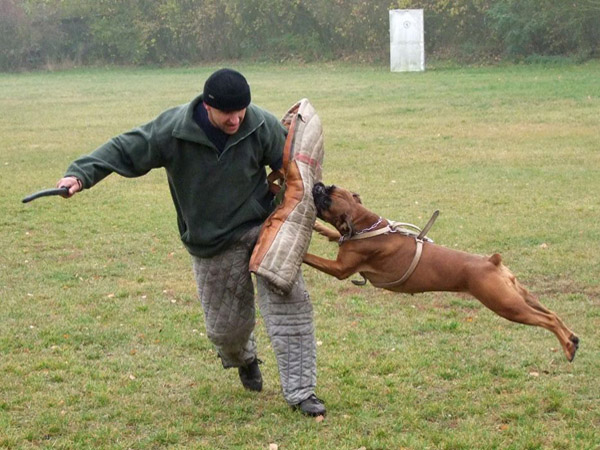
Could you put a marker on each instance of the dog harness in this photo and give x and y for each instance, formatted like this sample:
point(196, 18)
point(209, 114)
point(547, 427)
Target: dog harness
point(406, 229)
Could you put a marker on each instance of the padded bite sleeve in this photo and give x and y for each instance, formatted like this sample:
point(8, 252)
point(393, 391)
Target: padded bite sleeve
point(285, 235)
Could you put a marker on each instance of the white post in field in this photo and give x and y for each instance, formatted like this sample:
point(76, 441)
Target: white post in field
point(407, 41)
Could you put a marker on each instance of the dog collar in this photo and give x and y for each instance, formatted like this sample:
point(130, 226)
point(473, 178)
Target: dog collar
point(366, 233)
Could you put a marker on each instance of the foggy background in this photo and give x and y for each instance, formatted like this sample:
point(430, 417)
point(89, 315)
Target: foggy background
point(63, 33)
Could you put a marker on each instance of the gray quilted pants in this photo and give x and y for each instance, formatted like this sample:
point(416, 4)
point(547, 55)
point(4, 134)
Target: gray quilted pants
point(227, 294)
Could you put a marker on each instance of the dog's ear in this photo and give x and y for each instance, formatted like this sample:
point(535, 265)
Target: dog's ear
point(356, 198)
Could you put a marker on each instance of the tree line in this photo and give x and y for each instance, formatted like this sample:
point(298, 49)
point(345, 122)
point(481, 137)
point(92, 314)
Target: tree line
point(41, 33)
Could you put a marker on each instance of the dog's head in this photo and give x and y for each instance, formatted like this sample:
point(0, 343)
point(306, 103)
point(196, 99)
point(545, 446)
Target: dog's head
point(336, 206)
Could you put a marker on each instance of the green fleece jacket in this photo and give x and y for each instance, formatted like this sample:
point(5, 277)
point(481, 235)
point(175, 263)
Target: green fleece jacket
point(218, 197)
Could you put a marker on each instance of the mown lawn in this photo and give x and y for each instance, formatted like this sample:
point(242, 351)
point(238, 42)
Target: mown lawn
point(102, 340)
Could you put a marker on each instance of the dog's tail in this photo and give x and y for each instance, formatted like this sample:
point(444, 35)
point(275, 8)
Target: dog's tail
point(495, 259)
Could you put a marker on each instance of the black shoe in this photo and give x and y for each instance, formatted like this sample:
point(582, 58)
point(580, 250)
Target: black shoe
point(250, 375)
point(312, 406)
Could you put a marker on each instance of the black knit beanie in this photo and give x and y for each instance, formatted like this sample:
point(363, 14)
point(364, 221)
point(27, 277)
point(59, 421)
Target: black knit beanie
point(227, 90)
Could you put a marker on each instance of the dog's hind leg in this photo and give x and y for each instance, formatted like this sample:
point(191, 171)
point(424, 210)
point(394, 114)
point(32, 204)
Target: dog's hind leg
point(501, 295)
point(534, 302)
point(531, 299)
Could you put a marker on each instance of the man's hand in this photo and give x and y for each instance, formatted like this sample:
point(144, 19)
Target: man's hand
point(74, 184)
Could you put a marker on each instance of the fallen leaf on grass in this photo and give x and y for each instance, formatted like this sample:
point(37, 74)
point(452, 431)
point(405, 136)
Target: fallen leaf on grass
point(534, 374)
point(273, 446)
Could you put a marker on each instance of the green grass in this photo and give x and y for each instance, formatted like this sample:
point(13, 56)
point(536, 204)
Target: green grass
point(102, 341)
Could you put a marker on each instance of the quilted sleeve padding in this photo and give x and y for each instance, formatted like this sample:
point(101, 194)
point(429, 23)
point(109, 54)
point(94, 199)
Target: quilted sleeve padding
point(285, 236)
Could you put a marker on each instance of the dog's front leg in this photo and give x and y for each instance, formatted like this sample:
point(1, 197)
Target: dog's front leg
point(340, 268)
point(332, 235)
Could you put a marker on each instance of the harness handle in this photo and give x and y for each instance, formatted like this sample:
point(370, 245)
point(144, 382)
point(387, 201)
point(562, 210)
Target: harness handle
point(429, 224)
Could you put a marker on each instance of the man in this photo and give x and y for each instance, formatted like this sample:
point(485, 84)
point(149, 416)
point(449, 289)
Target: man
point(214, 150)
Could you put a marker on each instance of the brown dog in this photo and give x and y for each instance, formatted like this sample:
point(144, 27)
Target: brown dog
point(384, 259)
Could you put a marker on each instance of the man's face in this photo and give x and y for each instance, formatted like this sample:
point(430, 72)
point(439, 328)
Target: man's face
point(226, 121)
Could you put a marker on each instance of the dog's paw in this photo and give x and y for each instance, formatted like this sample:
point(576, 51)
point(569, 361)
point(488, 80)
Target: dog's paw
point(572, 347)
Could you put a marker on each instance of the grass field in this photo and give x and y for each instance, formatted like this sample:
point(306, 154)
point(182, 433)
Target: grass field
point(102, 340)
